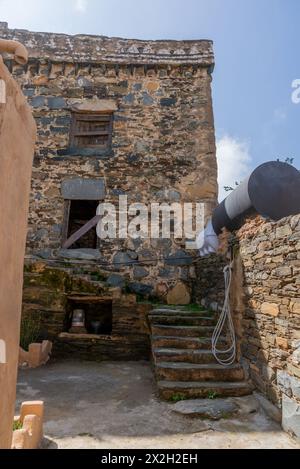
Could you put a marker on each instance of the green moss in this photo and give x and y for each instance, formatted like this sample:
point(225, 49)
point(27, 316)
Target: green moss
point(30, 330)
point(54, 278)
point(17, 426)
point(177, 398)
point(193, 307)
point(212, 395)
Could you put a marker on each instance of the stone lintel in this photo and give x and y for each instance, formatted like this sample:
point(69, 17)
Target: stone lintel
point(83, 189)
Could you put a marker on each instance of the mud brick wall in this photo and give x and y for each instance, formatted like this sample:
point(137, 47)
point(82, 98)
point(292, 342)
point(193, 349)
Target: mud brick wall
point(163, 144)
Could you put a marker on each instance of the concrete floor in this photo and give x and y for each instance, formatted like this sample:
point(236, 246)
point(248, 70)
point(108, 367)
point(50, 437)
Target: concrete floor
point(114, 405)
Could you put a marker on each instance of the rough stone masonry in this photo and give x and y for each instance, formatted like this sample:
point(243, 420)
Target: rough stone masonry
point(266, 307)
point(150, 104)
point(162, 148)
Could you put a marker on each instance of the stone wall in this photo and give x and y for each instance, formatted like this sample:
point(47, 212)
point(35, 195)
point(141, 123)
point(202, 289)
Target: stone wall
point(47, 290)
point(163, 145)
point(266, 307)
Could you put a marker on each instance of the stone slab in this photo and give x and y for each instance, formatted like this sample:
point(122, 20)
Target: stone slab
point(83, 189)
point(270, 409)
point(214, 409)
point(82, 254)
point(291, 415)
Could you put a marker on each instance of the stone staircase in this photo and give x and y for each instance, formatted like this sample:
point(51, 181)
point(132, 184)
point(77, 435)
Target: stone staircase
point(184, 364)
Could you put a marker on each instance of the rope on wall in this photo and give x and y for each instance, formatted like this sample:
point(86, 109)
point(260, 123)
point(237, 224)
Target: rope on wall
point(225, 357)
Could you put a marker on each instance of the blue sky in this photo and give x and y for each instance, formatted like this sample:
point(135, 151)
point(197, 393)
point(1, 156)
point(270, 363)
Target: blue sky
point(257, 59)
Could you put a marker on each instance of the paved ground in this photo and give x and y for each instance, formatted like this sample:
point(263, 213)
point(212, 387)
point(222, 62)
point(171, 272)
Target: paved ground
point(113, 405)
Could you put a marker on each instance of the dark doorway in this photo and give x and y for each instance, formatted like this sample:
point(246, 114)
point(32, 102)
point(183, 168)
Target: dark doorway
point(80, 212)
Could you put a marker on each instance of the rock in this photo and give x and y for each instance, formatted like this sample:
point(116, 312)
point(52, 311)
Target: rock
point(38, 101)
point(213, 409)
point(45, 253)
point(168, 102)
point(201, 190)
point(83, 189)
point(294, 370)
point(152, 86)
point(295, 307)
point(270, 409)
point(80, 254)
point(40, 234)
point(141, 146)
point(147, 257)
point(295, 386)
point(56, 103)
point(162, 244)
point(291, 415)
point(283, 231)
point(281, 342)
point(166, 273)
point(137, 86)
point(140, 288)
point(147, 99)
point(115, 280)
point(129, 99)
point(179, 295)
point(284, 382)
point(122, 259)
point(271, 309)
point(140, 272)
point(179, 258)
point(247, 404)
point(168, 195)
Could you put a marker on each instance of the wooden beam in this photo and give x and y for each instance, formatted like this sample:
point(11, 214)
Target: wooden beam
point(83, 230)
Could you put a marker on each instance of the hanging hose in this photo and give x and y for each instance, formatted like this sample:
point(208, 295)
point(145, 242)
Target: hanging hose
point(225, 315)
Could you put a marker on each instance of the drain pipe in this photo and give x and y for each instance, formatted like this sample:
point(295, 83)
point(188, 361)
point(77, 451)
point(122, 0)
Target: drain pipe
point(273, 190)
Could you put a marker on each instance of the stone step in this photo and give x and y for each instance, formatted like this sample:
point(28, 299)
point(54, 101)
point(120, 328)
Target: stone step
point(172, 371)
point(176, 311)
point(181, 319)
point(182, 331)
point(191, 343)
point(183, 355)
point(172, 390)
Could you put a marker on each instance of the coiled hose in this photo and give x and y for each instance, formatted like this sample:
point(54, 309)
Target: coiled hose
point(225, 357)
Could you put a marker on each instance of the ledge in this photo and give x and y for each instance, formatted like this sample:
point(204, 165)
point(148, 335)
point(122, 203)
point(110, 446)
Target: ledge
point(87, 337)
point(91, 49)
point(85, 152)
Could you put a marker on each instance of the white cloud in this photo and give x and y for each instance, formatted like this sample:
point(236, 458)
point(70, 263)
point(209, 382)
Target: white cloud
point(81, 5)
point(234, 162)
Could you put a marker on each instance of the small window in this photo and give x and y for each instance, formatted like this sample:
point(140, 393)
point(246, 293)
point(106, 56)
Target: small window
point(91, 130)
point(97, 311)
point(78, 213)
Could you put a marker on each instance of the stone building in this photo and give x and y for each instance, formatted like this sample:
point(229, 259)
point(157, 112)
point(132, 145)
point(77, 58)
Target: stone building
point(114, 117)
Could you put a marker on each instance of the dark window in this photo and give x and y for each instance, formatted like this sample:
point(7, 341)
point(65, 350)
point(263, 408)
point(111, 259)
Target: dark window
point(78, 213)
point(91, 130)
